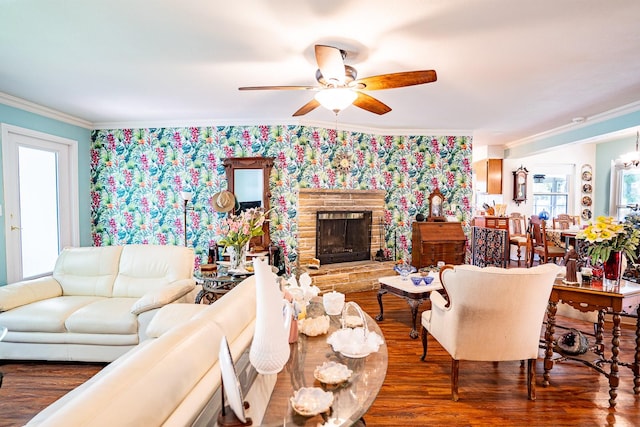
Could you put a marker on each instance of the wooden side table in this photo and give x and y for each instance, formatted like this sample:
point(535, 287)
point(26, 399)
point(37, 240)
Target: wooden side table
point(415, 295)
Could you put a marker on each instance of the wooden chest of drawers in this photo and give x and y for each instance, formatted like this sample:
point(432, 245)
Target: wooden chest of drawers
point(437, 241)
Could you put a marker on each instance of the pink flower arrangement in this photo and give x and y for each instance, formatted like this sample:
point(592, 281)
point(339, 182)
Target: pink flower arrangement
point(239, 229)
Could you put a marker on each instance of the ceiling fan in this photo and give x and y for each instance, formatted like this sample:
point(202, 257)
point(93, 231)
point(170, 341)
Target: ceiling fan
point(339, 87)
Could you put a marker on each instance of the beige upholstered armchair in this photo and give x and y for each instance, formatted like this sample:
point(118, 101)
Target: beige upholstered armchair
point(492, 314)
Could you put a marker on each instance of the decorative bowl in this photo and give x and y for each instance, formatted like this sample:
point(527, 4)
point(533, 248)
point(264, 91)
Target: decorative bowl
point(418, 280)
point(355, 342)
point(404, 270)
point(428, 279)
point(310, 401)
point(315, 326)
point(332, 373)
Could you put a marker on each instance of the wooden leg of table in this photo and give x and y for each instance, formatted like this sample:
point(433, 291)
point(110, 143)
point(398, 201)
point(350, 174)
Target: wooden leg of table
point(636, 363)
point(614, 379)
point(381, 315)
point(548, 337)
point(600, 333)
point(414, 304)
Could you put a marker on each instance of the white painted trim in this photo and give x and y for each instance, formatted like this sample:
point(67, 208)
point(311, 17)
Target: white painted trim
point(273, 122)
point(32, 107)
point(597, 118)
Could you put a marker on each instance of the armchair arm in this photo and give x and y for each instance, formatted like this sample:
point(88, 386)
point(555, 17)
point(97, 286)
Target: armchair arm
point(439, 302)
point(163, 296)
point(28, 291)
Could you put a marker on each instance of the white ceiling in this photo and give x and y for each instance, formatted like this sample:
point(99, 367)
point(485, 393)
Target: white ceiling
point(507, 69)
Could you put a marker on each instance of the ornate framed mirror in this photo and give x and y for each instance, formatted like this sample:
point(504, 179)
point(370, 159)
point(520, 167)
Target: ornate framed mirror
point(248, 180)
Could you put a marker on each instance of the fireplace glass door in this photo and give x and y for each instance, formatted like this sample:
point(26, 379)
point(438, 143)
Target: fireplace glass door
point(343, 236)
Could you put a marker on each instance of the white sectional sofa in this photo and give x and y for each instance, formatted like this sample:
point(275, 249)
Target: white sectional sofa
point(97, 303)
point(172, 378)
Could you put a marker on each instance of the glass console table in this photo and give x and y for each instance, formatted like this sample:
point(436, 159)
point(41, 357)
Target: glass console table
point(351, 400)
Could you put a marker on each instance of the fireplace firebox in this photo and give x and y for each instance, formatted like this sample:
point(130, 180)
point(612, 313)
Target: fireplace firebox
point(343, 236)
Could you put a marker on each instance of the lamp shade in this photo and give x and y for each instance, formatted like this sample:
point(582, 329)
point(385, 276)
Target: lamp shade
point(186, 195)
point(336, 99)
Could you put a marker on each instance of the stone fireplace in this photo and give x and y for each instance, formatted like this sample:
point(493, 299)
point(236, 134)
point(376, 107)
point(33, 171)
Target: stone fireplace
point(340, 275)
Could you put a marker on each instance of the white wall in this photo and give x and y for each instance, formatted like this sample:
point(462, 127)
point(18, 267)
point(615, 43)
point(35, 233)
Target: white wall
point(570, 157)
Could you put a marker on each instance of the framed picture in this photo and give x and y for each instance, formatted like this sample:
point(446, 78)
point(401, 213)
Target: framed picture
point(436, 206)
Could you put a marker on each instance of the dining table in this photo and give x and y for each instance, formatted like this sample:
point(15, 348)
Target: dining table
point(562, 237)
point(613, 299)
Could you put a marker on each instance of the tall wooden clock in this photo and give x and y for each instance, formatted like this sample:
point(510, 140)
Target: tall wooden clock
point(520, 185)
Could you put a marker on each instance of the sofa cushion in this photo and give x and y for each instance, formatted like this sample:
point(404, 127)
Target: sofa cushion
point(45, 316)
point(30, 341)
point(22, 293)
point(162, 296)
point(87, 270)
point(106, 316)
point(147, 267)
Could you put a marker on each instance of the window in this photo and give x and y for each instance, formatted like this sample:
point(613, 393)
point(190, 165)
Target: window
point(626, 191)
point(551, 193)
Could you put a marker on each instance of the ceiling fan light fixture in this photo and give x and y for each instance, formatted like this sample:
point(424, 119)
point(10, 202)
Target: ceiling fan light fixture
point(336, 99)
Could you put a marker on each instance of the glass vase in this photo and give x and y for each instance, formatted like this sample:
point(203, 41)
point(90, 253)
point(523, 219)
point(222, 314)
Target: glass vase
point(237, 254)
point(613, 266)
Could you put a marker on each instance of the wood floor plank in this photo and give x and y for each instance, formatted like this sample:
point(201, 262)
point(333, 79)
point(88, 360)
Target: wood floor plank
point(414, 393)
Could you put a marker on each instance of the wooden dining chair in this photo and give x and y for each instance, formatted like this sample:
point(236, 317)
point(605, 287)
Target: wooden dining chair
point(538, 244)
point(518, 234)
point(562, 222)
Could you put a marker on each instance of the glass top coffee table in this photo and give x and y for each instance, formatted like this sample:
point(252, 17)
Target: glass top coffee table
point(351, 399)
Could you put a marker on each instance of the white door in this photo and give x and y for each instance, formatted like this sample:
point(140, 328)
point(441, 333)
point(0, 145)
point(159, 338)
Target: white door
point(41, 200)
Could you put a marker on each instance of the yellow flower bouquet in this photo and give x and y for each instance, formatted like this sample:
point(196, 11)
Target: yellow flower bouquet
point(606, 237)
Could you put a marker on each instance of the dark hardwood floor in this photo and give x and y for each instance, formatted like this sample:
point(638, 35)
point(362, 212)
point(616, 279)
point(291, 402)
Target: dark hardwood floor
point(414, 393)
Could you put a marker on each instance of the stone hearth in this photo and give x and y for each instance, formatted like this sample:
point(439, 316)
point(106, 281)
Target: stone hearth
point(348, 276)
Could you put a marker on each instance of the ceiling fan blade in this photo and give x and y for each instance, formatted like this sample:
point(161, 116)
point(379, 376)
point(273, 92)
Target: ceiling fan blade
point(369, 103)
point(278, 88)
point(394, 80)
point(309, 106)
point(331, 64)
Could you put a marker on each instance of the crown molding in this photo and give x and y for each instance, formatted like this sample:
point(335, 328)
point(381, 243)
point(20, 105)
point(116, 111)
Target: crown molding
point(385, 131)
point(22, 104)
point(588, 121)
point(274, 122)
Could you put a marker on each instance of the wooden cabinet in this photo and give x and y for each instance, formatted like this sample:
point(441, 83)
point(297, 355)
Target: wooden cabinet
point(437, 241)
point(489, 175)
point(488, 221)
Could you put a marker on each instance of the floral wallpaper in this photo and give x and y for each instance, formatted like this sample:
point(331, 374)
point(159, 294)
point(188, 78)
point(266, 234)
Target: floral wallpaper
point(137, 176)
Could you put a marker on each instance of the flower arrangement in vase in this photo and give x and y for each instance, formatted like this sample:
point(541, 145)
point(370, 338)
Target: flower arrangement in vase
point(608, 241)
point(238, 230)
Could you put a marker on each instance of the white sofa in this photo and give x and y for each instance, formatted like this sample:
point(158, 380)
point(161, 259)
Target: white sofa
point(97, 303)
point(172, 378)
